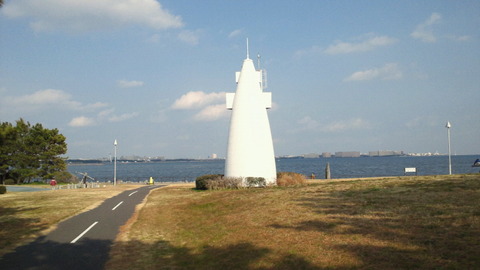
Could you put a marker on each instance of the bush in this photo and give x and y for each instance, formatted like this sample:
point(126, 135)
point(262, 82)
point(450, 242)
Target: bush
point(256, 182)
point(233, 182)
point(9, 182)
point(217, 181)
point(290, 179)
point(3, 189)
point(224, 183)
point(201, 181)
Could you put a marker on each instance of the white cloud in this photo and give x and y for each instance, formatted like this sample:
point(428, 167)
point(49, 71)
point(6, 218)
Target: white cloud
point(308, 123)
point(355, 123)
point(82, 16)
point(211, 113)
point(60, 102)
point(94, 106)
point(207, 104)
point(122, 117)
point(82, 121)
point(424, 31)
point(129, 84)
point(368, 43)
point(308, 51)
point(422, 121)
point(235, 33)
point(46, 100)
point(197, 99)
point(189, 37)
point(459, 38)
point(105, 113)
point(109, 116)
point(390, 71)
point(103, 116)
point(39, 101)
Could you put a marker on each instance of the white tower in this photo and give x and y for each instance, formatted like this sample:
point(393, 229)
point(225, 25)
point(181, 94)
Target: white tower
point(250, 147)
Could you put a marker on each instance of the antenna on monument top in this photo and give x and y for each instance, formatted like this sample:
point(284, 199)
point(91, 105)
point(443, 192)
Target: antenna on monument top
point(248, 54)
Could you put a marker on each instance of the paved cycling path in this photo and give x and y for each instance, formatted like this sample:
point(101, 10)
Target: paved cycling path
point(81, 242)
point(25, 189)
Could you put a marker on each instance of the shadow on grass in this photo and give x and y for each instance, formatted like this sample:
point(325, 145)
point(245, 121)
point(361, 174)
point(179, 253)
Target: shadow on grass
point(434, 225)
point(163, 255)
point(41, 254)
point(93, 255)
point(13, 228)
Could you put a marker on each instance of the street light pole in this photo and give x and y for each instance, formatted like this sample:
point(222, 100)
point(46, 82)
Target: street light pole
point(448, 126)
point(115, 163)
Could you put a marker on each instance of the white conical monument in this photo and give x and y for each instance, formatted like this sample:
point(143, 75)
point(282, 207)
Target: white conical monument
point(250, 146)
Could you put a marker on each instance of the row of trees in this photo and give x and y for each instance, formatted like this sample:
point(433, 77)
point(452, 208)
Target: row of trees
point(30, 152)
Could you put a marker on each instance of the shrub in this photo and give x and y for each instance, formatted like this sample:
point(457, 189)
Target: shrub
point(233, 182)
point(224, 183)
point(217, 181)
point(256, 182)
point(3, 189)
point(9, 182)
point(290, 179)
point(201, 181)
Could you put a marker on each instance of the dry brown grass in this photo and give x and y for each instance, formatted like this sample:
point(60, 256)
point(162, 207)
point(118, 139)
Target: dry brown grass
point(285, 179)
point(395, 223)
point(27, 215)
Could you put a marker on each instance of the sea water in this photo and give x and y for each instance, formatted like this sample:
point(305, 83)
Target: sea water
point(187, 171)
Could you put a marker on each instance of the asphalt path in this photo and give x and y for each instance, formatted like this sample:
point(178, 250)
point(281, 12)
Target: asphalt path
point(81, 242)
point(24, 189)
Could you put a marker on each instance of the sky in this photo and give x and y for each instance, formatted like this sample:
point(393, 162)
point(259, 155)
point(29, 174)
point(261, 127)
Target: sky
point(344, 75)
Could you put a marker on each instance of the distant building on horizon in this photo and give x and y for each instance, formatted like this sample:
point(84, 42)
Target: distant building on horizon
point(385, 153)
point(326, 154)
point(347, 154)
point(311, 155)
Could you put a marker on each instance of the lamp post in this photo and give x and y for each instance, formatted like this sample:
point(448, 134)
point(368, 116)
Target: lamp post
point(115, 163)
point(448, 126)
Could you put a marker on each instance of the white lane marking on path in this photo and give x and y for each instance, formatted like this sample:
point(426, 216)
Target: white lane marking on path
point(132, 193)
point(84, 232)
point(117, 205)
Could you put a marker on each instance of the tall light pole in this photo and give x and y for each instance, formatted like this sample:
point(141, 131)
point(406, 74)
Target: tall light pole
point(448, 126)
point(115, 163)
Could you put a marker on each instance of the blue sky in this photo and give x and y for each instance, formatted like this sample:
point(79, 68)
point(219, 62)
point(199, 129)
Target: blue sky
point(344, 75)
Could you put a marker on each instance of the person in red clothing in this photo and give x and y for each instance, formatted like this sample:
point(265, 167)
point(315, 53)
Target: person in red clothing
point(53, 183)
